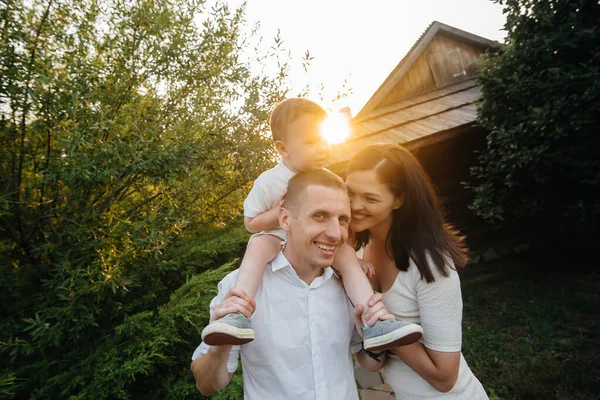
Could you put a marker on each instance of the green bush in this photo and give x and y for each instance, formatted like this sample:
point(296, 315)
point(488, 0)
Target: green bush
point(120, 125)
point(206, 247)
point(148, 354)
point(541, 96)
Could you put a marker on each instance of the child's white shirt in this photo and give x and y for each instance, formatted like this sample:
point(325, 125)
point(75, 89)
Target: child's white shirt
point(266, 193)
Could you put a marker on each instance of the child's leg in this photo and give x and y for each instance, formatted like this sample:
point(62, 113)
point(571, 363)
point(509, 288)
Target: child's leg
point(235, 328)
point(357, 285)
point(382, 335)
point(260, 250)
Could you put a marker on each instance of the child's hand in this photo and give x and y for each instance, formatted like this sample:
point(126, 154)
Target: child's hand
point(367, 267)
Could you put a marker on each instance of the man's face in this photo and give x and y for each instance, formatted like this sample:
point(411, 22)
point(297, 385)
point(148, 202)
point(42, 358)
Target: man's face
point(319, 227)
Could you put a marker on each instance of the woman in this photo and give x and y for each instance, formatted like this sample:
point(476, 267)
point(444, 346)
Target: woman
point(399, 228)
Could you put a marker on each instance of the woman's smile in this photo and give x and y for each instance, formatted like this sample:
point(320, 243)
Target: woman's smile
point(358, 216)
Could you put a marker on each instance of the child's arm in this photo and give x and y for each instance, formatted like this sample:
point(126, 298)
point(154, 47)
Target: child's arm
point(263, 222)
point(266, 220)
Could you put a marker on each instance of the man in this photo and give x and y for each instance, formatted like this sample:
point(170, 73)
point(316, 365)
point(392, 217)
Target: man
point(305, 331)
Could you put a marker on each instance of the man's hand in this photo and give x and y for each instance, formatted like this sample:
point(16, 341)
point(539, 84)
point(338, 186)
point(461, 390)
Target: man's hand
point(236, 300)
point(377, 311)
point(210, 370)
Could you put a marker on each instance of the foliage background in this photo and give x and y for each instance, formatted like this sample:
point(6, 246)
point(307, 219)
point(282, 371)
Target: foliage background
point(123, 124)
point(129, 133)
point(541, 96)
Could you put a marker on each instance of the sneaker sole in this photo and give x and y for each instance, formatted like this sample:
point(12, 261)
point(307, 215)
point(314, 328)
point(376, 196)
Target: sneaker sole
point(218, 334)
point(400, 337)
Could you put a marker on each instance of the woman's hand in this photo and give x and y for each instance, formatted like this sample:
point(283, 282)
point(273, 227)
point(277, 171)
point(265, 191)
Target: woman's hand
point(376, 311)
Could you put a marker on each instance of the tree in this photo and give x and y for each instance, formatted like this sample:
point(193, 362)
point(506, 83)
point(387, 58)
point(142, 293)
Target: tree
point(121, 123)
point(541, 96)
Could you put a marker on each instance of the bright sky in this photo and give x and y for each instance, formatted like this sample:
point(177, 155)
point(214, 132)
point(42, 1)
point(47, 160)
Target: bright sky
point(361, 40)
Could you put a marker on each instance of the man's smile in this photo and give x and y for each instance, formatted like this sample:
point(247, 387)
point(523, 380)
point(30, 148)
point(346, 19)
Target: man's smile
point(328, 249)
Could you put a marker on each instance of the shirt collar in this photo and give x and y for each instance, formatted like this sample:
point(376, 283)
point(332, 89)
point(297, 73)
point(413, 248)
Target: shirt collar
point(280, 262)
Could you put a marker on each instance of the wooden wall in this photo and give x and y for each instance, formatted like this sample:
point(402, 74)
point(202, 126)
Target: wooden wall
point(445, 61)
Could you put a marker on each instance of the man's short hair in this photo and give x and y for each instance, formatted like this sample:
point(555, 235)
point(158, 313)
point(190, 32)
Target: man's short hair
point(296, 191)
point(289, 110)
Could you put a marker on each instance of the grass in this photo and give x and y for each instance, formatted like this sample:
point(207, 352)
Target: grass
point(531, 325)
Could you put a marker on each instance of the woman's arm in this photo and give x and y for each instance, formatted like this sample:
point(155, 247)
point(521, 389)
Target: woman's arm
point(438, 368)
point(437, 359)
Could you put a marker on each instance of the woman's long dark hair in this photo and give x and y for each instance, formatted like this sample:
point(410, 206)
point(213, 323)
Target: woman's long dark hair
point(419, 226)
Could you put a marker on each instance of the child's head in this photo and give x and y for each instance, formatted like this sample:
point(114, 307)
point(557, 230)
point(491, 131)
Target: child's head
point(296, 129)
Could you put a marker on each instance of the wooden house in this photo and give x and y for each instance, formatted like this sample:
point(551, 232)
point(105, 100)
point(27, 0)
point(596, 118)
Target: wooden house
point(428, 105)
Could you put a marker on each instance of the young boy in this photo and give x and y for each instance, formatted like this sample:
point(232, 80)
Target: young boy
point(296, 130)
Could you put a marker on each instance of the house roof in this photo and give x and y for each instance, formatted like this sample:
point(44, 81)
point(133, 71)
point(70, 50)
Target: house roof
point(421, 119)
point(413, 119)
point(413, 54)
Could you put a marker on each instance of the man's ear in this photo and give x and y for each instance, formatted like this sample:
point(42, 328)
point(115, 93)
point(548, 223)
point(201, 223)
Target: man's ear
point(284, 219)
point(281, 149)
point(400, 201)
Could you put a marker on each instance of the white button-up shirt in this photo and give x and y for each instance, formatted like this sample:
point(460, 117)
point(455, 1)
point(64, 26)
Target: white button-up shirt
point(304, 336)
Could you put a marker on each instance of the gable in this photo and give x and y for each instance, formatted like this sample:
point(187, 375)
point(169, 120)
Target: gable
point(442, 56)
point(443, 62)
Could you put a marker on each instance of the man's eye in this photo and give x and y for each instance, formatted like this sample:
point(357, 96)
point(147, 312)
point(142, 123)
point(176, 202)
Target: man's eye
point(372, 200)
point(319, 216)
point(344, 220)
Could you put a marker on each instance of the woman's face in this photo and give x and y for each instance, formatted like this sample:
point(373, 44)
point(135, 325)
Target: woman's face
point(371, 200)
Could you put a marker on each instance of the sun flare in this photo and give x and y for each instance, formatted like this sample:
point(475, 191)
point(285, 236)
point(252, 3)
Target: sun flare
point(335, 128)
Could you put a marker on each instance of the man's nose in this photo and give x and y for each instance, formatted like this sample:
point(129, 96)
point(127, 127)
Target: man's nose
point(334, 230)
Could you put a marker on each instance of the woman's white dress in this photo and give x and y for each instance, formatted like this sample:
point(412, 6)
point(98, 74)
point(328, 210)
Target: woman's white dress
point(437, 307)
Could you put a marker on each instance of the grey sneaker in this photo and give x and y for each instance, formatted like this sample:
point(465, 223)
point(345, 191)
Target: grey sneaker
point(233, 329)
point(387, 334)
